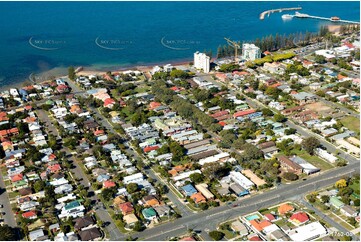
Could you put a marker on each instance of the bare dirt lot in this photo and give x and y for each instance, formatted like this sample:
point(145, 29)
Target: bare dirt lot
point(319, 108)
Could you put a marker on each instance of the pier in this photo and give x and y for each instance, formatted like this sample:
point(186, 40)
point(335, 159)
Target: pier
point(268, 12)
point(303, 15)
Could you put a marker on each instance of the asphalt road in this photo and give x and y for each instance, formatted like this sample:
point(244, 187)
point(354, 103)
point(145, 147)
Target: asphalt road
point(328, 219)
point(9, 217)
point(209, 219)
point(78, 173)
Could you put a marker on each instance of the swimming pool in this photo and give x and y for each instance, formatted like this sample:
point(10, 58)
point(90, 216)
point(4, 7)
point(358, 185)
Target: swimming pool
point(252, 217)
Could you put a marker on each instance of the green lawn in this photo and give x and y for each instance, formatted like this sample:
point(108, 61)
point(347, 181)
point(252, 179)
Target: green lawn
point(316, 161)
point(142, 88)
point(351, 123)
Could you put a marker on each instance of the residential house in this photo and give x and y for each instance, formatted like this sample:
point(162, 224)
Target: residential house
point(335, 202)
point(149, 214)
point(198, 197)
point(130, 219)
point(289, 166)
point(348, 211)
point(304, 98)
point(285, 208)
point(83, 222)
point(299, 218)
point(238, 190)
point(126, 208)
point(189, 190)
point(92, 234)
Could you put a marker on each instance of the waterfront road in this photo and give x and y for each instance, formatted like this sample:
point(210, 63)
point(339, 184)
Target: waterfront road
point(209, 219)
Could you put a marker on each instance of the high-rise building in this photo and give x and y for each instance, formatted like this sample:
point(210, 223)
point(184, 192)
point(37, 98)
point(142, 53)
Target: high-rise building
point(250, 52)
point(202, 61)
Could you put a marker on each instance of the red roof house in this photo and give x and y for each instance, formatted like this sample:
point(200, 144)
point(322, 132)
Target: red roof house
point(29, 215)
point(17, 177)
point(243, 113)
point(270, 217)
point(54, 168)
point(62, 88)
point(108, 184)
point(126, 208)
point(150, 148)
point(98, 132)
point(299, 218)
point(153, 105)
point(109, 102)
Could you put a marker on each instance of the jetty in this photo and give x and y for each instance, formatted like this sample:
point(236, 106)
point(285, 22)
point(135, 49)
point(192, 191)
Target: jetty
point(268, 12)
point(333, 19)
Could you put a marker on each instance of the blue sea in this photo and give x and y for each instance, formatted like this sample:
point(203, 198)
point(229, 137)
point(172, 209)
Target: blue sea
point(39, 36)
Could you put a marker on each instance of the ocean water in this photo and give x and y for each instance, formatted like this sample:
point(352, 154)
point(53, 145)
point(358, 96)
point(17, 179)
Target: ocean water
point(39, 36)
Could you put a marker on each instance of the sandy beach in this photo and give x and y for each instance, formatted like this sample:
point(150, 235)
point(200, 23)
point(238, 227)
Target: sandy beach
point(89, 70)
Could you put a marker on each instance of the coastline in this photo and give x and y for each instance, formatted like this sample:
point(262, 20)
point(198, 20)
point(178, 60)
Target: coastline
point(92, 69)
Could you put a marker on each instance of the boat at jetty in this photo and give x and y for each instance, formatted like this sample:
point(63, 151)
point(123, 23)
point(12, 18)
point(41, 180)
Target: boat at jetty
point(287, 16)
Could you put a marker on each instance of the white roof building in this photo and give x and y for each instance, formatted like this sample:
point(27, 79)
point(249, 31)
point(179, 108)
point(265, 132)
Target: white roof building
point(250, 52)
point(185, 175)
point(202, 61)
point(308, 232)
point(240, 179)
point(135, 178)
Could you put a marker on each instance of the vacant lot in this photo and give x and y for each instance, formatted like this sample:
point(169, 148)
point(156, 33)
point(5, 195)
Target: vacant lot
point(319, 107)
point(351, 123)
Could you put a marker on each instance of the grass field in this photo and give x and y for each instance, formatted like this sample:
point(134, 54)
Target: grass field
point(316, 161)
point(351, 123)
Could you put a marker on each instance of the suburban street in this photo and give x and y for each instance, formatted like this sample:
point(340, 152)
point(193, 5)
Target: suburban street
point(79, 174)
point(9, 218)
point(328, 219)
point(303, 131)
point(209, 219)
point(183, 209)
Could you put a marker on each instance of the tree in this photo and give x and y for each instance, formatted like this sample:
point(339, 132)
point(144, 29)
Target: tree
point(320, 59)
point(108, 193)
point(71, 73)
point(132, 187)
point(356, 202)
point(342, 183)
point(352, 221)
point(196, 178)
point(2, 152)
point(216, 235)
point(138, 226)
point(177, 150)
point(267, 112)
point(325, 198)
point(309, 144)
point(214, 170)
point(290, 176)
point(7, 233)
point(39, 185)
point(250, 152)
point(290, 131)
point(279, 118)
